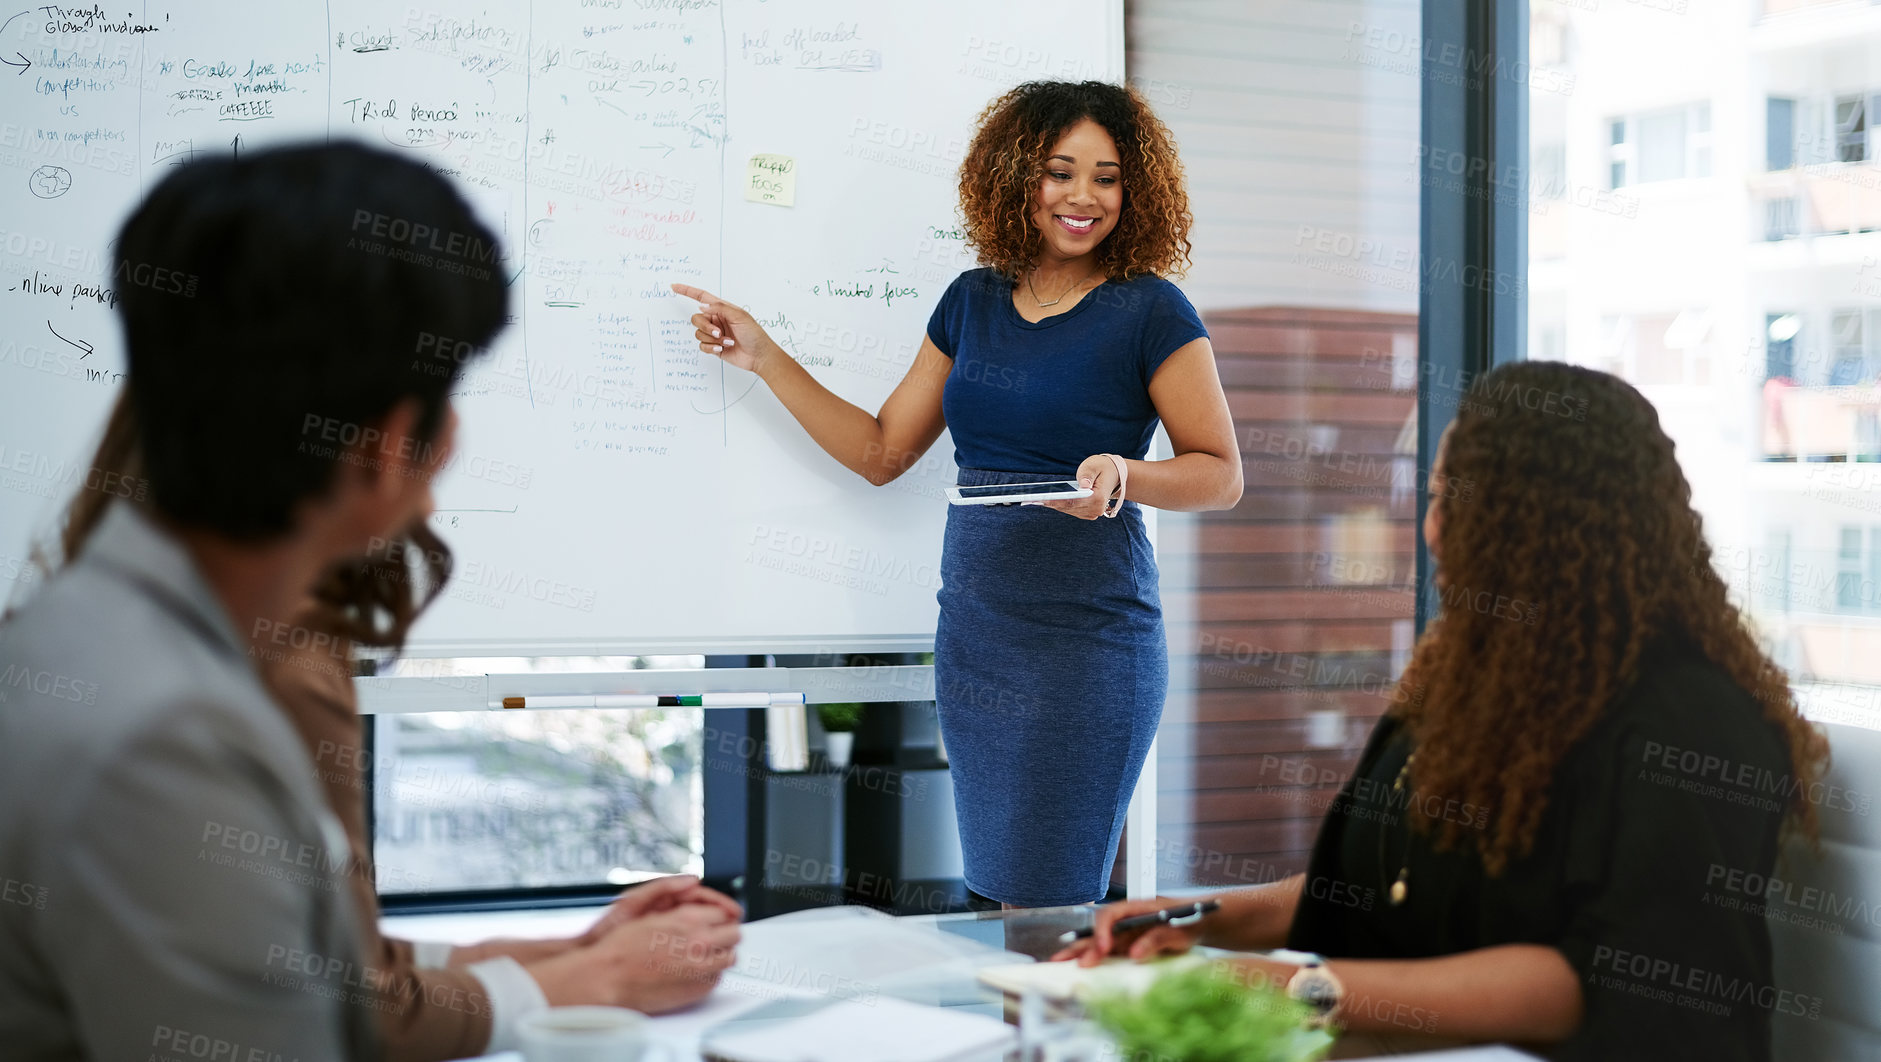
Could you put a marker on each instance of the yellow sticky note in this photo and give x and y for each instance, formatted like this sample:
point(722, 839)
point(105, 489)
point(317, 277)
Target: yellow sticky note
point(771, 179)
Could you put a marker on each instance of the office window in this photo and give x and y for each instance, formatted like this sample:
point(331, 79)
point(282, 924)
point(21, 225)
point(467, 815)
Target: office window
point(465, 801)
point(1781, 435)
point(1779, 133)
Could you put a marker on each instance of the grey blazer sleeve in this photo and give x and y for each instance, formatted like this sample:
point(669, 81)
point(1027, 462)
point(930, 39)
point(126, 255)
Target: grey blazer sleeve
point(195, 911)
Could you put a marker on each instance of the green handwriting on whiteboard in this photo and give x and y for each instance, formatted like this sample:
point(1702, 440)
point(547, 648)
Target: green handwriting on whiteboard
point(771, 179)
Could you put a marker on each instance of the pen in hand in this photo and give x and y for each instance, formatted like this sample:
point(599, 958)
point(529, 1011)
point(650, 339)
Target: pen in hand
point(1181, 915)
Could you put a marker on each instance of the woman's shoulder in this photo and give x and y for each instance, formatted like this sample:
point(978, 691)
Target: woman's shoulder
point(1685, 712)
point(1155, 288)
point(1153, 283)
point(1154, 297)
point(1676, 681)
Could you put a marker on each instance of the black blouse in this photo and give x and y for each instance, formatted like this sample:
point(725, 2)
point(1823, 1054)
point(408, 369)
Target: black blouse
point(1661, 824)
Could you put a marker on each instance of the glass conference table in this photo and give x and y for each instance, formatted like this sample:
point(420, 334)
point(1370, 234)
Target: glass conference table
point(796, 964)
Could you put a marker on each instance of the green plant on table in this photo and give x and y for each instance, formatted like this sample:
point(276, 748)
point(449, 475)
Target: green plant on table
point(840, 718)
point(1208, 1014)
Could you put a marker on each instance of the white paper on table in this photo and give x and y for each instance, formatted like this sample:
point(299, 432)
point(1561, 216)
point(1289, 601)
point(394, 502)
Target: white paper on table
point(887, 1030)
point(1067, 980)
point(682, 1031)
point(855, 952)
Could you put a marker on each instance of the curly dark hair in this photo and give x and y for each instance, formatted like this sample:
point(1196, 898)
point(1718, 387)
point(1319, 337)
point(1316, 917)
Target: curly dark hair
point(1579, 506)
point(1006, 162)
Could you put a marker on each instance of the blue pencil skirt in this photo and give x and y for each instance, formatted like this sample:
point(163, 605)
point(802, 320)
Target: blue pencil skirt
point(1050, 670)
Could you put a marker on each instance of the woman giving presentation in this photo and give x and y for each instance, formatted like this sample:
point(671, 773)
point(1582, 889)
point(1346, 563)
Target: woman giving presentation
point(1049, 661)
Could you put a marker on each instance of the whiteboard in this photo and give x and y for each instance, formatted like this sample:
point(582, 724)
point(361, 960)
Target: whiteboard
point(614, 490)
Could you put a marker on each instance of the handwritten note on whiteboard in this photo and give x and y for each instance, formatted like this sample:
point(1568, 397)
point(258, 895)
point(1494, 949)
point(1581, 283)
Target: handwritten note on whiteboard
point(771, 179)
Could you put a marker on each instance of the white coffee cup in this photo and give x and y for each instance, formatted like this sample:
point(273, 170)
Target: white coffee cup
point(584, 1034)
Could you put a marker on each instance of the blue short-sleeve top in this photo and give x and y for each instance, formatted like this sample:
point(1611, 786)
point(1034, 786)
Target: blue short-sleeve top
point(1040, 397)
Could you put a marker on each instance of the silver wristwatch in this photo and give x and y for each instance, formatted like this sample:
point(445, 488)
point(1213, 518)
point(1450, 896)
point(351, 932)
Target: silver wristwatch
point(1314, 985)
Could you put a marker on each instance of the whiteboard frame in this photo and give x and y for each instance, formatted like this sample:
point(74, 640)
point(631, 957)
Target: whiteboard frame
point(1116, 51)
point(413, 694)
point(409, 694)
point(680, 646)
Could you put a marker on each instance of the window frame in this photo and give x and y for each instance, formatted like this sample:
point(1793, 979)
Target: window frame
point(1462, 329)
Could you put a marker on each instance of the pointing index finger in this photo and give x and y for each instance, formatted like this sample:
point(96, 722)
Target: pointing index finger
point(695, 294)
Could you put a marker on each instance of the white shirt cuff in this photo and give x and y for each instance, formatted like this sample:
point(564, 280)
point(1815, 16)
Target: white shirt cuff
point(514, 995)
point(431, 954)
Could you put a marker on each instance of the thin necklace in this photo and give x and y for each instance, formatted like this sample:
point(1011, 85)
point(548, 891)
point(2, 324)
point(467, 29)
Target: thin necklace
point(1042, 304)
point(1400, 889)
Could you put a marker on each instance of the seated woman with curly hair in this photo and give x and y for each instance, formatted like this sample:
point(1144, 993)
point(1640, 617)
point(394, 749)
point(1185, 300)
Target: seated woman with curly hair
point(1054, 361)
point(1587, 746)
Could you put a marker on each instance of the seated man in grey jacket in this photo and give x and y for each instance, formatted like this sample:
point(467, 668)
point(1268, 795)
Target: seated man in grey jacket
point(158, 807)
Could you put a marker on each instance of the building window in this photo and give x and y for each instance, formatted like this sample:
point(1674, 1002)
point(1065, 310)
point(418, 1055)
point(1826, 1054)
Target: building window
point(1848, 362)
point(1782, 217)
point(1654, 350)
point(1550, 343)
point(1547, 171)
point(1851, 129)
point(1657, 361)
point(1848, 571)
point(1779, 133)
point(1869, 600)
point(1779, 351)
point(1858, 574)
point(1548, 37)
point(1620, 155)
point(1775, 586)
point(1663, 145)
